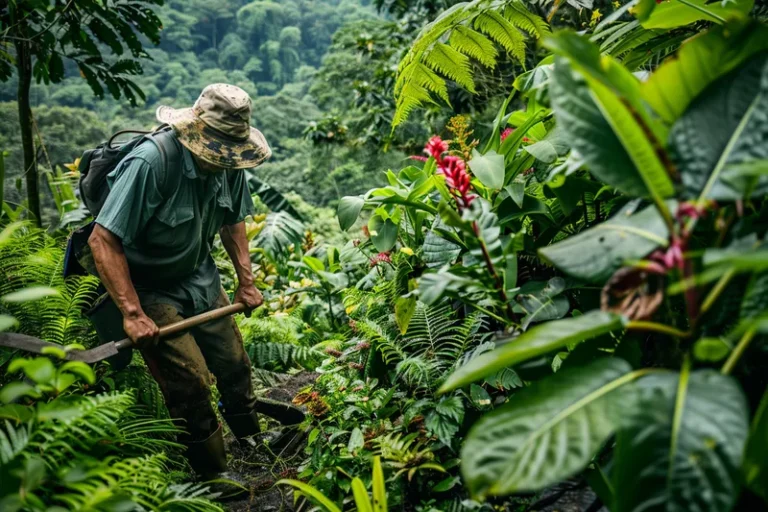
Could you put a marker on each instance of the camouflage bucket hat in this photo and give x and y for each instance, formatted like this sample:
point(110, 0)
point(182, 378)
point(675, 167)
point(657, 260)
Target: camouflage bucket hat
point(217, 129)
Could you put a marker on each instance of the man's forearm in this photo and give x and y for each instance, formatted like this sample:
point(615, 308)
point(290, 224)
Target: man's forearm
point(108, 254)
point(236, 244)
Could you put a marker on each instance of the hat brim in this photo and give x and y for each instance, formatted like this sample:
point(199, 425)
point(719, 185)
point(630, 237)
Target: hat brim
point(211, 145)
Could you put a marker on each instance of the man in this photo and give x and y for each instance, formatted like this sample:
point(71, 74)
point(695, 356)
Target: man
point(151, 246)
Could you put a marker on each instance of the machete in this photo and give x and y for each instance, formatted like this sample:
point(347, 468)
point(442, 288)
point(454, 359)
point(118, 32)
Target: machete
point(106, 350)
point(284, 413)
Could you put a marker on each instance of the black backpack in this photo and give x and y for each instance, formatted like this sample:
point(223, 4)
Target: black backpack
point(97, 163)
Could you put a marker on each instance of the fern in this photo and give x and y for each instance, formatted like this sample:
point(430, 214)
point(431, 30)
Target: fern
point(446, 44)
point(34, 258)
point(503, 32)
point(475, 45)
point(452, 64)
point(283, 356)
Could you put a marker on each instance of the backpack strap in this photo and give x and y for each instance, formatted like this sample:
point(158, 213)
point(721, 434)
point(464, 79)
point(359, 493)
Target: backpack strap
point(162, 138)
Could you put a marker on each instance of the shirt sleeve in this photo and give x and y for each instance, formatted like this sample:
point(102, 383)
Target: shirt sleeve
point(242, 203)
point(133, 198)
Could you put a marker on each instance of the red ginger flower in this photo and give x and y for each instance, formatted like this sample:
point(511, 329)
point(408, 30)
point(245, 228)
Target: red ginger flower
point(509, 131)
point(436, 147)
point(457, 178)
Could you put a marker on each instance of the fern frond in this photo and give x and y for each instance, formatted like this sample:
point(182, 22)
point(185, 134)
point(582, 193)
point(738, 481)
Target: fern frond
point(423, 76)
point(412, 95)
point(522, 18)
point(503, 32)
point(283, 355)
point(475, 45)
point(434, 30)
point(451, 63)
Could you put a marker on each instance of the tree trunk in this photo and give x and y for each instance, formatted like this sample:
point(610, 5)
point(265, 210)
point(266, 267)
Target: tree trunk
point(24, 66)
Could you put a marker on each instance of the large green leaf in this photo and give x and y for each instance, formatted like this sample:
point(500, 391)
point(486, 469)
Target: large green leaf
point(610, 98)
point(595, 254)
point(674, 13)
point(348, 210)
point(540, 340)
point(549, 431)
point(489, 168)
point(543, 302)
point(383, 233)
point(755, 467)
point(700, 61)
point(280, 232)
point(682, 447)
point(725, 126)
point(590, 133)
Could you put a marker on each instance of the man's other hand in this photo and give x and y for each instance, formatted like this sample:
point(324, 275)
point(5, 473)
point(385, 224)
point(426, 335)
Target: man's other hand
point(142, 330)
point(250, 296)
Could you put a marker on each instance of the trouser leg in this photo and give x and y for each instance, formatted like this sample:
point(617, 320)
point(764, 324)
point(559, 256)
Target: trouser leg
point(178, 366)
point(222, 346)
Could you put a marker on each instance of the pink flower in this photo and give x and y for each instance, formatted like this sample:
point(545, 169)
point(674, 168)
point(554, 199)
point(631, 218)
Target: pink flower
point(671, 258)
point(436, 147)
point(506, 133)
point(692, 210)
point(456, 177)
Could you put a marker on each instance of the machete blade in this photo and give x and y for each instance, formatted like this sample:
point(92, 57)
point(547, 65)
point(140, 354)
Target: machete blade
point(37, 346)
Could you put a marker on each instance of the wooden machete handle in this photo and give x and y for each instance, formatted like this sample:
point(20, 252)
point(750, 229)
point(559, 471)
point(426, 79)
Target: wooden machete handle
point(188, 323)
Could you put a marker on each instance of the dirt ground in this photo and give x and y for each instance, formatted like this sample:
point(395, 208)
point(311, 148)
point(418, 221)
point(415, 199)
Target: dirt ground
point(262, 465)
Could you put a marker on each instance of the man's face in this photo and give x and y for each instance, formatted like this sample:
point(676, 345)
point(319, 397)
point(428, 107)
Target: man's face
point(207, 168)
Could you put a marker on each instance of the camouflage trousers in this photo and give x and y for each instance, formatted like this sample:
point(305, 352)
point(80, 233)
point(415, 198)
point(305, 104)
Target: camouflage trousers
point(186, 366)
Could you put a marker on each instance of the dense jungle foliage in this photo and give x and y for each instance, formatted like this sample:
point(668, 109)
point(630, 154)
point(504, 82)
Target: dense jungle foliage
point(513, 253)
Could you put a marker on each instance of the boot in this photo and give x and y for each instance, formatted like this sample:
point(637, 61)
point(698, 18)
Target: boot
point(208, 458)
point(243, 425)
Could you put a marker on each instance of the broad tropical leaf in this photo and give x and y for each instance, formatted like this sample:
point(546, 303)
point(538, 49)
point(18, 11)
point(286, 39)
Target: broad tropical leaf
point(280, 232)
point(549, 431)
point(682, 447)
point(700, 61)
point(348, 210)
point(677, 14)
point(546, 302)
point(725, 126)
point(597, 103)
point(595, 254)
point(540, 340)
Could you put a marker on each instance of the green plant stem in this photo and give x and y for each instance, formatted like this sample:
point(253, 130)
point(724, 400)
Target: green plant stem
point(744, 342)
point(699, 8)
point(485, 311)
point(640, 325)
point(677, 420)
point(492, 270)
point(714, 294)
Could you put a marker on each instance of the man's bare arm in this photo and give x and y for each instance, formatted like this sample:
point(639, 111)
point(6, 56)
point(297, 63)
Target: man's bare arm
point(108, 254)
point(236, 244)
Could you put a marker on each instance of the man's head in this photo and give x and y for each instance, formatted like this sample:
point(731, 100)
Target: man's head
point(217, 129)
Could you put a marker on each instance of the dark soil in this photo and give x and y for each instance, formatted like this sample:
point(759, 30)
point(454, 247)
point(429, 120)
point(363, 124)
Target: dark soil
point(262, 464)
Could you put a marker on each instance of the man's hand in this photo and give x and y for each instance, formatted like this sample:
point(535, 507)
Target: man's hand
point(250, 296)
point(142, 330)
